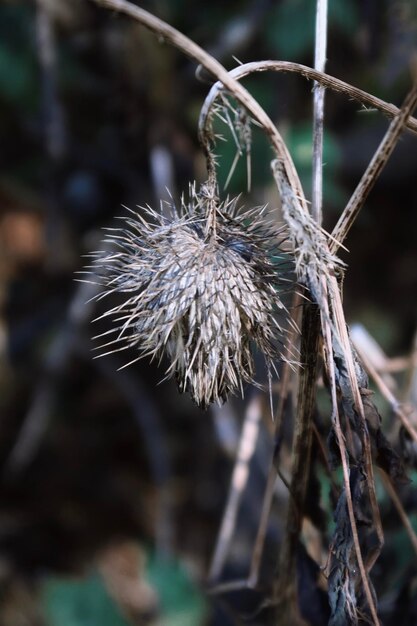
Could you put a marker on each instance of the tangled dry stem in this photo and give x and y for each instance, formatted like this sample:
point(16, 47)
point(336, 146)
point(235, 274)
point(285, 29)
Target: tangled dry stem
point(317, 267)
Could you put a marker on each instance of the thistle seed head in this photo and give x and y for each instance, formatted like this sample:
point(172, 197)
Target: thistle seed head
point(199, 287)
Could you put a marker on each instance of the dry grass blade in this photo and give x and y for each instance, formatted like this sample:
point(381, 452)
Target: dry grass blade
point(285, 590)
point(316, 269)
point(238, 482)
point(352, 370)
point(304, 229)
point(272, 473)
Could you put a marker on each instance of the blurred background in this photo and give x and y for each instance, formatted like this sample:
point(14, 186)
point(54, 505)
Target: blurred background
point(112, 485)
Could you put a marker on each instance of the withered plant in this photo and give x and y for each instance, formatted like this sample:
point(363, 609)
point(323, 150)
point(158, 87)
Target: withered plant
point(201, 286)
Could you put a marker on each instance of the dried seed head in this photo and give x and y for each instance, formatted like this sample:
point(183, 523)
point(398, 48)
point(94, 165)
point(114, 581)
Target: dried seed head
point(201, 288)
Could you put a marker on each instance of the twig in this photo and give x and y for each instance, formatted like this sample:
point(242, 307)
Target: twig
point(284, 592)
point(318, 112)
point(309, 349)
point(272, 472)
point(335, 84)
point(191, 49)
point(238, 482)
point(374, 169)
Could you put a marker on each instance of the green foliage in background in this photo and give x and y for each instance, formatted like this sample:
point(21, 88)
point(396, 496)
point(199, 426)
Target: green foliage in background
point(18, 69)
point(181, 602)
point(290, 29)
point(82, 602)
point(86, 602)
point(300, 144)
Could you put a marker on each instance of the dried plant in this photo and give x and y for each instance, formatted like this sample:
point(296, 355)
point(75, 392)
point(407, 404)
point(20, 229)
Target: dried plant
point(202, 287)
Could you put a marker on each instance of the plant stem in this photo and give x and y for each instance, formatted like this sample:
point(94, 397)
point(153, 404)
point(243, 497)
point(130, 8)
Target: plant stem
point(191, 49)
point(309, 353)
point(318, 112)
point(335, 84)
point(373, 170)
point(285, 590)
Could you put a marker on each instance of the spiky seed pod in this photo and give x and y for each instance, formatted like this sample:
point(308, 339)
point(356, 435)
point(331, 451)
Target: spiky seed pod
point(201, 287)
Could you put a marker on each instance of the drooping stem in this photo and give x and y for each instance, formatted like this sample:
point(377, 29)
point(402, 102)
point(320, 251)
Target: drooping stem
point(285, 591)
point(310, 326)
point(330, 82)
point(191, 49)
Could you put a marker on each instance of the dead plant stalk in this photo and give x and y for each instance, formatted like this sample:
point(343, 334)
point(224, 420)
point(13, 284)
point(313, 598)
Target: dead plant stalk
point(317, 264)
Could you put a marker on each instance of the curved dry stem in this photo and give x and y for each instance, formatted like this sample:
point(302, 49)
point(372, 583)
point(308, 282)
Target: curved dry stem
point(191, 49)
point(323, 284)
point(229, 81)
point(326, 80)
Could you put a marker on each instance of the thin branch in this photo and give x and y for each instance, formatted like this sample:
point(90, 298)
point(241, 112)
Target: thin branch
point(326, 80)
point(238, 482)
point(374, 169)
point(191, 49)
point(309, 348)
point(284, 592)
point(318, 112)
point(272, 472)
